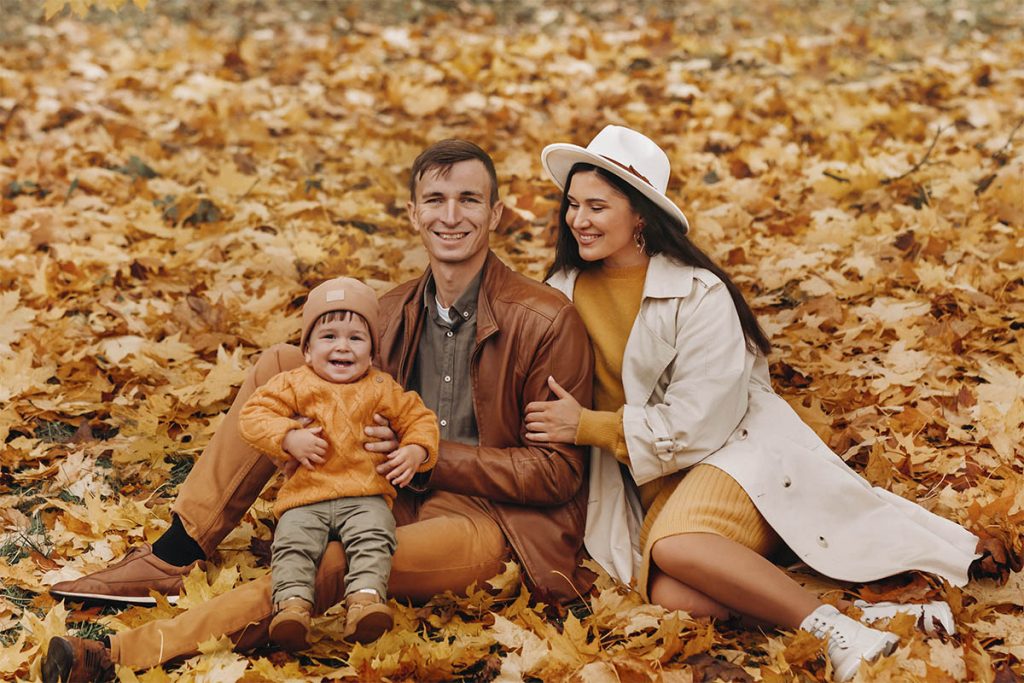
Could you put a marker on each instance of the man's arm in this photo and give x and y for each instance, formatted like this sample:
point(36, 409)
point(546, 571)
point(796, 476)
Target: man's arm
point(548, 474)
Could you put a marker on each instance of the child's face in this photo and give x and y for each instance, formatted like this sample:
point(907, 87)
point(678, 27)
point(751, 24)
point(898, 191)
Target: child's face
point(339, 350)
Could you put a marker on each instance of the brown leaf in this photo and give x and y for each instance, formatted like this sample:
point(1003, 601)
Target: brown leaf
point(707, 668)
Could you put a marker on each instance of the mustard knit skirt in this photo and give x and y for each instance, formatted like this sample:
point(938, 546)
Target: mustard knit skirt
point(703, 499)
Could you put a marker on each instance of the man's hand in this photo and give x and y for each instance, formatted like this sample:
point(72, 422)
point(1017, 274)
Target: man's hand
point(382, 438)
point(305, 446)
point(400, 464)
point(553, 421)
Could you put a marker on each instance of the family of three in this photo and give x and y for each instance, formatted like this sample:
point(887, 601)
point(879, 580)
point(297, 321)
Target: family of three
point(622, 411)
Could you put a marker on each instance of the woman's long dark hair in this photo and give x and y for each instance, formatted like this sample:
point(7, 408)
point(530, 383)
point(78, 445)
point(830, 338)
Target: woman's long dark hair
point(662, 235)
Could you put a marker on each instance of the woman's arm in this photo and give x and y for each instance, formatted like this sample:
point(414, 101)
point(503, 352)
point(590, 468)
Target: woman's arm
point(706, 393)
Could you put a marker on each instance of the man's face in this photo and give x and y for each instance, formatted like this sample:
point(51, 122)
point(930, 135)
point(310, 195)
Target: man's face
point(454, 215)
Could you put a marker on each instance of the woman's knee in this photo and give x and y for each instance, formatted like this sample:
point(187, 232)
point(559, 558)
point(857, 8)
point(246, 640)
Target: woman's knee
point(677, 553)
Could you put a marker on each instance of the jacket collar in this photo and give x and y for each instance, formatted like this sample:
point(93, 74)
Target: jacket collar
point(494, 273)
point(666, 279)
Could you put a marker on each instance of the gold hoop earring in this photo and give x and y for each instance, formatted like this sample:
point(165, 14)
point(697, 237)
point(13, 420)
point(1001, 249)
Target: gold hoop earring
point(638, 237)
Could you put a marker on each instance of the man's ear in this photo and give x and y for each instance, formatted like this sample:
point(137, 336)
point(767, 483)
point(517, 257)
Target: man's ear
point(410, 210)
point(496, 210)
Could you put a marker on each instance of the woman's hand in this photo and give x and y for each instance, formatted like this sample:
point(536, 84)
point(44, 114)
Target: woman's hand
point(554, 421)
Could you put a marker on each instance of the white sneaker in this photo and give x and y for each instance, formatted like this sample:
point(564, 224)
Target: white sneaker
point(932, 617)
point(849, 641)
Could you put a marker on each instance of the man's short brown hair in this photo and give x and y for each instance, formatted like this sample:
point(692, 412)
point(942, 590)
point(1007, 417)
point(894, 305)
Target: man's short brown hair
point(441, 156)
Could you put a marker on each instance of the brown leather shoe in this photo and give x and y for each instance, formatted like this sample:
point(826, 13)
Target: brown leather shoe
point(289, 629)
point(76, 660)
point(130, 580)
point(366, 619)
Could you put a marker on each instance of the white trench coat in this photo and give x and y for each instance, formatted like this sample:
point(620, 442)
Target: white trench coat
point(694, 393)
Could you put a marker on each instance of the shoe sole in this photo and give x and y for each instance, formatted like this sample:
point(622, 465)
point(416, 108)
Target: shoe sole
point(291, 636)
point(98, 597)
point(371, 627)
point(883, 647)
point(58, 661)
point(934, 619)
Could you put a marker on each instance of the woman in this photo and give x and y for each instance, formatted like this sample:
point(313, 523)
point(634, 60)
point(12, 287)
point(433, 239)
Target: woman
point(720, 472)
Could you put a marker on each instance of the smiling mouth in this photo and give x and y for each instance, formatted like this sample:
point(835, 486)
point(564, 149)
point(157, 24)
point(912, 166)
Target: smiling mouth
point(341, 363)
point(586, 238)
point(451, 236)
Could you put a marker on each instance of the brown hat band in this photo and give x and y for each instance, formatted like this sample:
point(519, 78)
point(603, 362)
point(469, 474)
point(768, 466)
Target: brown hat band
point(628, 168)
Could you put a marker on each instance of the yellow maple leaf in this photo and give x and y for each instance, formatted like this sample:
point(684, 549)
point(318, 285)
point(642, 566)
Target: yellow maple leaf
point(17, 320)
point(13, 657)
point(221, 380)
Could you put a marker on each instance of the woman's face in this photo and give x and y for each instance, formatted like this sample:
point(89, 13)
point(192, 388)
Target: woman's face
point(602, 221)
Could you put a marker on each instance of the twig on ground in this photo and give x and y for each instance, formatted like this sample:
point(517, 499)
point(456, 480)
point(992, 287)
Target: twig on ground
point(999, 153)
point(10, 115)
point(919, 164)
point(833, 176)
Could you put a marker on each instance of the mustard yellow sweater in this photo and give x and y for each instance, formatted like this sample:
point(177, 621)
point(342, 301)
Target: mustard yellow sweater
point(342, 410)
point(608, 300)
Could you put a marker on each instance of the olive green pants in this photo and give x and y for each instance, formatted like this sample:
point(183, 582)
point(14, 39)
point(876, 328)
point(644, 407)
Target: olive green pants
point(363, 524)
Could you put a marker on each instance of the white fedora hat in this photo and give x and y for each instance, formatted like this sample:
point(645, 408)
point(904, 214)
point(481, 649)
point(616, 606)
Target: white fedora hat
point(628, 154)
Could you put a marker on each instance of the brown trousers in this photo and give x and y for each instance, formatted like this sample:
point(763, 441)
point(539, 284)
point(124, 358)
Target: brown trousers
point(447, 544)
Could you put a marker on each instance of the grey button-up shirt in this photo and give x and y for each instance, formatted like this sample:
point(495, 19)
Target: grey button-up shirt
point(441, 375)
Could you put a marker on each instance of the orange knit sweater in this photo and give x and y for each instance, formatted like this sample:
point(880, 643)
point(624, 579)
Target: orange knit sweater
point(342, 410)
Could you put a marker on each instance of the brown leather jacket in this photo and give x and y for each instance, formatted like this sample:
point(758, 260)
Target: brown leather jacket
point(538, 494)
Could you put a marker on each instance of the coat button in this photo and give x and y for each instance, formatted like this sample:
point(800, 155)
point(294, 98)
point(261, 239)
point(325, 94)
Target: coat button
point(822, 542)
point(787, 482)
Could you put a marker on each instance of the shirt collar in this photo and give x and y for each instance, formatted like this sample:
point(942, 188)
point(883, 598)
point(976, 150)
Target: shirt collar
point(464, 308)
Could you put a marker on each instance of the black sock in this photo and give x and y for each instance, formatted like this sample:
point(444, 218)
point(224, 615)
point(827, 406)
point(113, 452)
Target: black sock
point(176, 546)
point(106, 641)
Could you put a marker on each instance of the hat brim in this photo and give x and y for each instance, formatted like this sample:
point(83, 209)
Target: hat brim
point(559, 158)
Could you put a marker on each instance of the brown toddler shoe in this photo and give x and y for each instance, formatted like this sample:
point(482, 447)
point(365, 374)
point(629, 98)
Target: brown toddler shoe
point(76, 660)
point(366, 618)
point(289, 628)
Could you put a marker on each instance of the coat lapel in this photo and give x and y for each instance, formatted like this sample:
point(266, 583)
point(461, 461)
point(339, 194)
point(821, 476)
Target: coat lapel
point(651, 345)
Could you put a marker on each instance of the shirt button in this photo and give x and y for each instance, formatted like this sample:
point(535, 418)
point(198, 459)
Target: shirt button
point(466, 314)
point(444, 423)
point(447, 378)
point(449, 333)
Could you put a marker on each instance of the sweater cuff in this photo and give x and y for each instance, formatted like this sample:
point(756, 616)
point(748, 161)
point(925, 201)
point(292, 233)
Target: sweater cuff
point(431, 460)
point(602, 428)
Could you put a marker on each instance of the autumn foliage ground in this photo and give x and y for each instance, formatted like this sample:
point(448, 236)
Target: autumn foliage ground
point(173, 180)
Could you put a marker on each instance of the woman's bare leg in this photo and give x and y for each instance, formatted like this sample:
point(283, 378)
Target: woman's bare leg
point(731, 576)
point(672, 594)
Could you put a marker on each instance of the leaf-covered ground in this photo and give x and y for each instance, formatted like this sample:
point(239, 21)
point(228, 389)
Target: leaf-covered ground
point(173, 181)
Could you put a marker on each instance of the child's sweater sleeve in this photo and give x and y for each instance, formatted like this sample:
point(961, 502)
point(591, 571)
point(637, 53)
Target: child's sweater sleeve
point(268, 416)
point(411, 420)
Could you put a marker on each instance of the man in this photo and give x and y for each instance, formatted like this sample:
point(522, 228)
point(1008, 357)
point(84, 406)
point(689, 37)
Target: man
point(478, 342)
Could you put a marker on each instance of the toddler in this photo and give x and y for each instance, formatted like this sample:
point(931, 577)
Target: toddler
point(335, 490)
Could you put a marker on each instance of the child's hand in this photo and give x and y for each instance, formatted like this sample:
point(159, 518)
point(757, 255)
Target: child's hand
point(305, 446)
point(401, 464)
